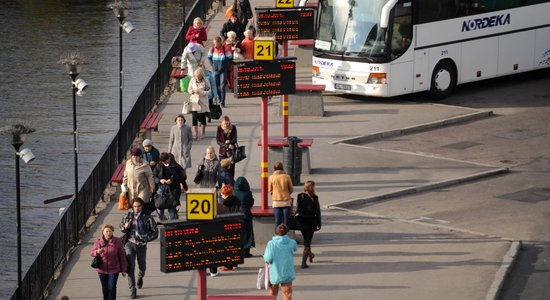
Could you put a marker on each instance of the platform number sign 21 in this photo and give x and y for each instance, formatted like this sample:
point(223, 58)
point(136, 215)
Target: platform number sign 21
point(284, 3)
point(264, 49)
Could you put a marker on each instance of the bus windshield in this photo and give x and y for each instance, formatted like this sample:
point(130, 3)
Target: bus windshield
point(350, 28)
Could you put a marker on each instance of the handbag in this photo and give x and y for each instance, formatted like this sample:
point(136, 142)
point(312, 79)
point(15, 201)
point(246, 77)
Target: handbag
point(164, 198)
point(216, 110)
point(262, 282)
point(123, 201)
point(294, 222)
point(195, 105)
point(200, 175)
point(238, 154)
point(186, 109)
point(177, 72)
point(96, 262)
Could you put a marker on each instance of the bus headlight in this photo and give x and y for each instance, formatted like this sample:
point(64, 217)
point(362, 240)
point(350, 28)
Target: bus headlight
point(377, 78)
point(315, 72)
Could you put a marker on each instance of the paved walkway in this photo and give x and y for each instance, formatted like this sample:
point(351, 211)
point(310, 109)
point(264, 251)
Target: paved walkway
point(358, 255)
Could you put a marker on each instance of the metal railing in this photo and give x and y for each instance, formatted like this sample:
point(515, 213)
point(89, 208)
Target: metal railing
point(66, 235)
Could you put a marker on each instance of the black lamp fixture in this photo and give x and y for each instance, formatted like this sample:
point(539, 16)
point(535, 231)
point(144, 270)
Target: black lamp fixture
point(18, 133)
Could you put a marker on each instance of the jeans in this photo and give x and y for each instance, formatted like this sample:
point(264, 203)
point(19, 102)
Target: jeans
point(221, 84)
point(108, 285)
point(281, 215)
point(172, 212)
point(133, 251)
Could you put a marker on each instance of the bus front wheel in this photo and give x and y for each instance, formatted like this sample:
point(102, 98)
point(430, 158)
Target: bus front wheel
point(443, 80)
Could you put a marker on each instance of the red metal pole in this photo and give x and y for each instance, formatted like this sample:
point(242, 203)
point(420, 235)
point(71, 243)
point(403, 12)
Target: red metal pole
point(264, 162)
point(284, 112)
point(201, 285)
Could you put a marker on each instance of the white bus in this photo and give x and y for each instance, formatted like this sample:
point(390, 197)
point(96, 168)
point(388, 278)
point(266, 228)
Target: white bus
point(386, 48)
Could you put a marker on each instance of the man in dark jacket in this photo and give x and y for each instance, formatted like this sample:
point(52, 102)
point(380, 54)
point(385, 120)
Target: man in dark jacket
point(139, 228)
point(233, 24)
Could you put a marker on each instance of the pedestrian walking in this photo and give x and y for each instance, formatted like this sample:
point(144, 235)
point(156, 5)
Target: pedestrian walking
point(181, 141)
point(113, 260)
point(169, 175)
point(220, 57)
point(279, 254)
point(246, 202)
point(138, 177)
point(280, 188)
point(150, 154)
point(139, 229)
point(211, 168)
point(308, 213)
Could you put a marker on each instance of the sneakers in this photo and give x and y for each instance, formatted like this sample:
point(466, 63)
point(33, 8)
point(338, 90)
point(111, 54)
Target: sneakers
point(214, 274)
point(140, 283)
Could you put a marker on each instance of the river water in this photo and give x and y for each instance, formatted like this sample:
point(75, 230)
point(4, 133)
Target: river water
point(36, 90)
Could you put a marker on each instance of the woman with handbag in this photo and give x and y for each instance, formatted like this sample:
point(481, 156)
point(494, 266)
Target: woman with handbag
point(226, 137)
point(199, 88)
point(309, 216)
point(168, 175)
point(113, 260)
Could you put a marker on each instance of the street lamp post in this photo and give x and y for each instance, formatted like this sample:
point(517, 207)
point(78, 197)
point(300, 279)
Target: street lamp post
point(73, 65)
point(18, 135)
point(121, 11)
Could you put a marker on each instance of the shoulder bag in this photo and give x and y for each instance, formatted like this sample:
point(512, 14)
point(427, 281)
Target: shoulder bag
point(238, 154)
point(96, 262)
point(200, 174)
point(216, 109)
point(164, 198)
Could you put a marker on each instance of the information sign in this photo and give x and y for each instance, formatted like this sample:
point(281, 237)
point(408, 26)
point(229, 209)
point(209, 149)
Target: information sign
point(284, 3)
point(287, 24)
point(202, 244)
point(201, 204)
point(270, 78)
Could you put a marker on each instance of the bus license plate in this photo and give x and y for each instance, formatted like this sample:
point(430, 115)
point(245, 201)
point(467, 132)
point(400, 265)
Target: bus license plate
point(341, 86)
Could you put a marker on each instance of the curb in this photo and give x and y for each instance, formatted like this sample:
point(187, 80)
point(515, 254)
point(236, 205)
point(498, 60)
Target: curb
point(418, 189)
point(358, 140)
point(507, 263)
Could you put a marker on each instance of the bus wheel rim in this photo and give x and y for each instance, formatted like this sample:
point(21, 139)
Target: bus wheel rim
point(443, 80)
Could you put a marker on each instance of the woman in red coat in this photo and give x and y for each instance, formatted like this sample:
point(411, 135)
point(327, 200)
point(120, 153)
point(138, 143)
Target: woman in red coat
point(196, 33)
point(113, 260)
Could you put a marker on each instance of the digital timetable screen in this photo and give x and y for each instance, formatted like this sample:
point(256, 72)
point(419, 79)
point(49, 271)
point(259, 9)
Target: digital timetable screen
point(287, 24)
point(266, 78)
point(201, 244)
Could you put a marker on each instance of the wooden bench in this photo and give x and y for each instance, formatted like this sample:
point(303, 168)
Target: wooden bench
point(150, 123)
point(119, 173)
point(276, 145)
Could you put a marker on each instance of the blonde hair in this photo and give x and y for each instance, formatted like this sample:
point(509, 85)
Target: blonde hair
point(225, 163)
point(198, 72)
point(232, 36)
point(309, 187)
point(198, 20)
point(110, 226)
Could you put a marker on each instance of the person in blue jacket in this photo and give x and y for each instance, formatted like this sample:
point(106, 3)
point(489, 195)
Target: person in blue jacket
point(279, 254)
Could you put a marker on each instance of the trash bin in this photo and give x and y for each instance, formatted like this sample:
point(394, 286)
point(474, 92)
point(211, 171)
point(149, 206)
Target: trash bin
point(292, 159)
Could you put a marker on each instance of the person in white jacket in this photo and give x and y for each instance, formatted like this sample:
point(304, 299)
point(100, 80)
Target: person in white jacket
point(193, 57)
point(199, 88)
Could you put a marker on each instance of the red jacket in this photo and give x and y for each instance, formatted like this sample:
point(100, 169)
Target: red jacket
point(113, 257)
point(190, 35)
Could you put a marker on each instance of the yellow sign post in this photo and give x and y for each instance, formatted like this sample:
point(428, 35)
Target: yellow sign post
point(264, 48)
point(201, 204)
point(284, 3)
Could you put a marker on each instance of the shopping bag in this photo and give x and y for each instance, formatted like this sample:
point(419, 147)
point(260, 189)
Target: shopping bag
point(123, 201)
point(262, 282)
point(184, 84)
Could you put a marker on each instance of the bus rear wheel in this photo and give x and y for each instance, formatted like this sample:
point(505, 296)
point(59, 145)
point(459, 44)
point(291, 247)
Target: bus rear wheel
point(443, 80)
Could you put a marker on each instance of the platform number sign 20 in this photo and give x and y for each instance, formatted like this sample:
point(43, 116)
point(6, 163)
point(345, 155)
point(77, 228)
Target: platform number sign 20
point(284, 3)
point(200, 206)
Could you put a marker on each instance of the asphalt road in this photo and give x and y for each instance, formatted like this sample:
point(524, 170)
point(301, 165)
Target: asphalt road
point(515, 205)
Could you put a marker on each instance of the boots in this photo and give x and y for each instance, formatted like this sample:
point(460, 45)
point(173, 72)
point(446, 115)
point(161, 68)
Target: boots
point(305, 255)
point(311, 255)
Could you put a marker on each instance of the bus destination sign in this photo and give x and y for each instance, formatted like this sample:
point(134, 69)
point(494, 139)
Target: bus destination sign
point(287, 24)
point(265, 78)
point(196, 245)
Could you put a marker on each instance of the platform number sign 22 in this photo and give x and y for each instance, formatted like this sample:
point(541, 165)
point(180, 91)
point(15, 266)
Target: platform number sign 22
point(284, 3)
point(200, 206)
